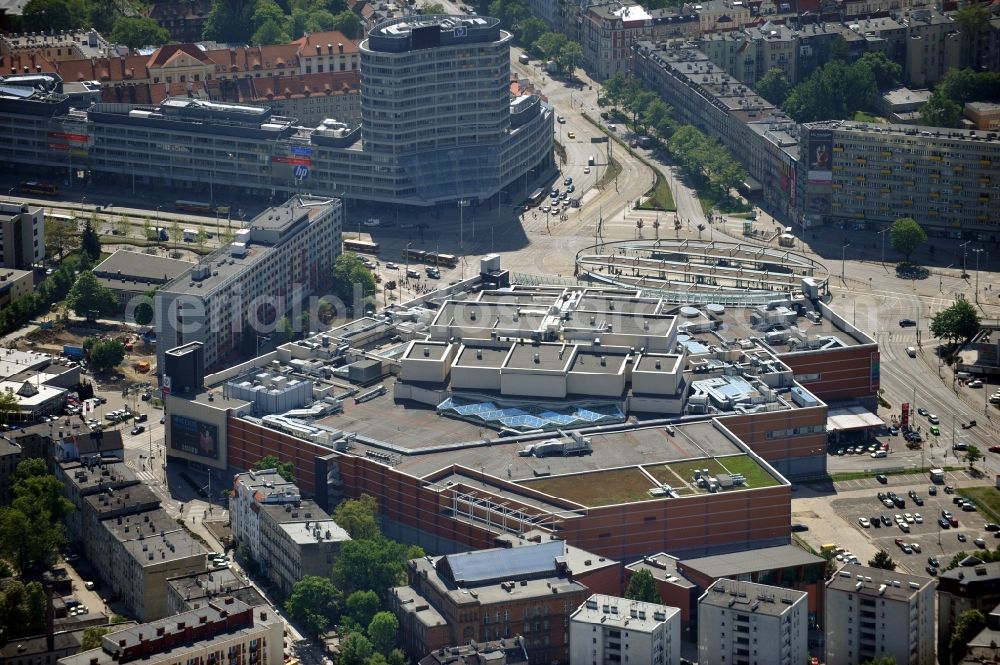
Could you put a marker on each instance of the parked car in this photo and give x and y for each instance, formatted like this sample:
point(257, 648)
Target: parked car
point(933, 419)
point(907, 323)
point(961, 537)
point(138, 429)
point(932, 490)
point(922, 411)
point(883, 479)
point(863, 521)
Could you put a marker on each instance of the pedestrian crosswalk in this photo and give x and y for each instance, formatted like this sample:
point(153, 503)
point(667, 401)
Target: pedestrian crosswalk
point(143, 471)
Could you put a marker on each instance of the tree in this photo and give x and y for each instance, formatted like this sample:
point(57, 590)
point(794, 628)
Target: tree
point(570, 56)
point(90, 243)
point(92, 637)
point(362, 606)
point(283, 330)
point(882, 560)
point(137, 32)
point(61, 235)
point(359, 518)
point(229, 20)
point(124, 225)
point(510, 12)
point(351, 279)
point(89, 295)
point(348, 23)
point(272, 32)
point(284, 469)
point(37, 489)
point(529, 30)
point(397, 657)
point(9, 405)
point(245, 559)
point(774, 86)
point(201, 238)
point(107, 354)
point(884, 71)
point(316, 603)
point(884, 660)
point(957, 322)
point(973, 455)
point(383, 631)
point(370, 564)
point(22, 609)
point(355, 649)
point(175, 232)
point(642, 586)
point(906, 236)
point(972, 22)
point(433, 8)
point(939, 111)
point(969, 624)
point(28, 540)
point(45, 15)
point(143, 312)
point(550, 44)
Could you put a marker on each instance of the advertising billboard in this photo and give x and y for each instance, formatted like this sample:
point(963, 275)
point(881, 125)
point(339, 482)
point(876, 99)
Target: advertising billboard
point(787, 178)
point(194, 437)
point(820, 157)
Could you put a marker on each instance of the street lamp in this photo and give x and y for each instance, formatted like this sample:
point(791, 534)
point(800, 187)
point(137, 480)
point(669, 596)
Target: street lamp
point(978, 251)
point(882, 233)
point(843, 260)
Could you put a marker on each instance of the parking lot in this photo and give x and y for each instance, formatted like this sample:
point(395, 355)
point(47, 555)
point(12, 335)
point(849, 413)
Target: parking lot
point(858, 498)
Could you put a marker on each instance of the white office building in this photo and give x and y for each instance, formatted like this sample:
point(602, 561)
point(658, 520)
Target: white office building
point(872, 613)
point(743, 623)
point(607, 630)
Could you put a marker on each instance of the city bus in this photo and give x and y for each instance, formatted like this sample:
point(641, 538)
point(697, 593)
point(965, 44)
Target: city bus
point(430, 258)
point(60, 217)
point(194, 206)
point(38, 187)
point(536, 197)
point(361, 246)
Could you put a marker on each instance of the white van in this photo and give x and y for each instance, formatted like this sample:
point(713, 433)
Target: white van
point(878, 454)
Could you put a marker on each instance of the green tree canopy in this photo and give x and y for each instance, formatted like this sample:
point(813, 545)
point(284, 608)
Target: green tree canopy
point(882, 560)
point(774, 86)
point(510, 12)
point(89, 295)
point(92, 637)
point(45, 15)
point(529, 30)
point(972, 455)
point(969, 624)
point(9, 406)
point(352, 281)
point(90, 243)
point(356, 649)
point(362, 606)
point(359, 518)
point(284, 469)
point(642, 586)
point(883, 660)
point(550, 44)
point(383, 631)
point(22, 609)
point(433, 8)
point(135, 32)
point(939, 111)
point(570, 57)
point(143, 312)
point(906, 236)
point(348, 23)
point(370, 564)
point(271, 32)
point(957, 322)
point(316, 603)
point(229, 20)
point(29, 540)
point(107, 354)
point(61, 235)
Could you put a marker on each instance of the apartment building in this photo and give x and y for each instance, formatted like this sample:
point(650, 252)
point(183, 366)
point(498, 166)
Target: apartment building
point(975, 586)
point(15, 284)
point(22, 235)
point(934, 46)
point(871, 175)
point(10, 456)
point(527, 590)
point(285, 255)
point(871, 613)
point(610, 30)
point(752, 624)
point(289, 537)
point(185, 21)
point(222, 630)
point(606, 630)
point(192, 591)
point(56, 45)
point(146, 550)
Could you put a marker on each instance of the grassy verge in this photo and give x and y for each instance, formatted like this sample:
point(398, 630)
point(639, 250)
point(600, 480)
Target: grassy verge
point(610, 173)
point(710, 198)
point(754, 473)
point(861, 116)
point(987, 500)
point(660, 197)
